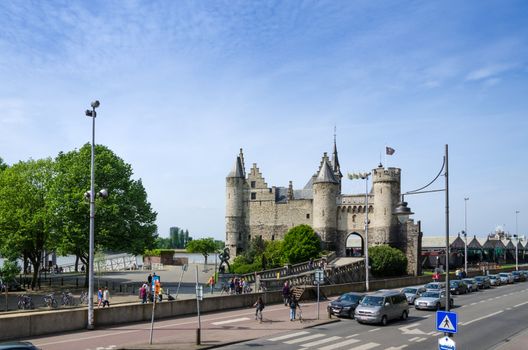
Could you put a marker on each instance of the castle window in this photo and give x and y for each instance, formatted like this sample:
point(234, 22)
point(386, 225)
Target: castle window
point(253, 195)
point(249, 237)
point(272, 237)
point(253, 184)
point(323, 212)
point(353, 218)
point(307, 216)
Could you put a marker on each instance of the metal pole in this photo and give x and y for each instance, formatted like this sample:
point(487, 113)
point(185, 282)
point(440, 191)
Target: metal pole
point(447, 224)
point(153, 311)
point(198, 331)
point(465, 233)
point(318, 283)
point(366, 235)
point(92, 225)
point(517, 244)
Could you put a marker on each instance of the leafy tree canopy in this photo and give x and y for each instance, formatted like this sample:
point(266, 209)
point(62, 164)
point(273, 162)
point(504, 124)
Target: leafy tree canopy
point(204, 246)
point(124, 221)
point(300, 244)
point(386, 261)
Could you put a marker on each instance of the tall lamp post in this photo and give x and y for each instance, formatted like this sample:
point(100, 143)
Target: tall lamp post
point(92, 114)
point(364, 176)
point(517, 244)
point(403, 212)
point(465, 234)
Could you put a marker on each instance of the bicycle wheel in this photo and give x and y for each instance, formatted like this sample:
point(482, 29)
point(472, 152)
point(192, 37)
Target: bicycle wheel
point(20, 304)
point(54, 303)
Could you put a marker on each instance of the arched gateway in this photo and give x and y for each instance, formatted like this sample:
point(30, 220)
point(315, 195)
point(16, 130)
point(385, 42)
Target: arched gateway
point(355, 246)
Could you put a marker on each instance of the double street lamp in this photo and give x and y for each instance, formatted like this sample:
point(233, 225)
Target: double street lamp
point(465, 232)
point(517, 244)
point(364, 176)
point(403, 212)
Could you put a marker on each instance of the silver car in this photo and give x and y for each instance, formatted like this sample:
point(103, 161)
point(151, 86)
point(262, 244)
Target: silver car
point(435, 286)
point(472, 284)
point(432, 301)
point(508, 277)
point(495, 280)
point(381, 307)
point(411, 293)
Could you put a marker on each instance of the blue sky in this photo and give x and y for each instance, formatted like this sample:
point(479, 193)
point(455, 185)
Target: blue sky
point(184, 84)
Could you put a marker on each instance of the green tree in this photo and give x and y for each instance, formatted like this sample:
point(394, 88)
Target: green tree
point(3, 165)
point(300, 244)
point(204, 246)
point(386, 261)
point(124, 221)
point(8, 272)
point(25, 215)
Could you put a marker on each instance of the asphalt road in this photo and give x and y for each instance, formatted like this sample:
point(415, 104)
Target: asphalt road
point(485, 319)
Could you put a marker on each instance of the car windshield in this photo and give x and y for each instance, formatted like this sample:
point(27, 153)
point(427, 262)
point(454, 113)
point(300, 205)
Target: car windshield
point(503, 274)
point(372, 300)
point(469, 281)
point(349, 297)
point(433, 286)
point(431, 295)
point(454, 283)
point(409, 290)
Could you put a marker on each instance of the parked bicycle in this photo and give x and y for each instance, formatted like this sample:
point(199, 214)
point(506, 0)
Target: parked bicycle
point(50, 301)
point(83, 299)
point(25, 302)
point(67, 298)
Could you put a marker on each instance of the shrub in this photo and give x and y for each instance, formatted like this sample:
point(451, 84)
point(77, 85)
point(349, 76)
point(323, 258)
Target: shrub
point(386, 261)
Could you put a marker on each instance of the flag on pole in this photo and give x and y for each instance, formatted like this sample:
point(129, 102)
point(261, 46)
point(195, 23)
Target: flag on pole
point(389, 151)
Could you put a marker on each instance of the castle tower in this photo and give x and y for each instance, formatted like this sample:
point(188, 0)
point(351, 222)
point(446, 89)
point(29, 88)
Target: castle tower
point(235, 216)
point(325, 193)
point(386, 191)
point(336, 168)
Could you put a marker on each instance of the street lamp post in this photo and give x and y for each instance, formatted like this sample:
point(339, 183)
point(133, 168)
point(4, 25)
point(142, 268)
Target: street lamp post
point(92, 114)
point(364, 176)
point(517, 244)
point(403, 212)
point(465, 234)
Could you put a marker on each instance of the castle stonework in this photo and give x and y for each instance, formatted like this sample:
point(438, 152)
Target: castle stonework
point(254, 209)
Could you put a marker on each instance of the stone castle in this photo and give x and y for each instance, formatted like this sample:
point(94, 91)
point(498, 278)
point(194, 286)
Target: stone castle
point(254, 209)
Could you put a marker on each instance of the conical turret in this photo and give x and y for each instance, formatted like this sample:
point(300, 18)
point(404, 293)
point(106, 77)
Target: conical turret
point(325, 192)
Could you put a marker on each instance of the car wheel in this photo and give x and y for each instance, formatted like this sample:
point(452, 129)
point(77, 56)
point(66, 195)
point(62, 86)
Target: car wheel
point(405, 314)
point(384, 320)
point(438, 306)
point(350, 314)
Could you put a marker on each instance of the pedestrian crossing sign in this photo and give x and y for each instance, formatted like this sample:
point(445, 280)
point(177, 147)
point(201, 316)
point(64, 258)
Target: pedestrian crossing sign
point(446, 321)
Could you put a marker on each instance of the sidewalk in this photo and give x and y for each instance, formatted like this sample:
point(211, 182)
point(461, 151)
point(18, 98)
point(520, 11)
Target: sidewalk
point(233, 327)
point(518, 342)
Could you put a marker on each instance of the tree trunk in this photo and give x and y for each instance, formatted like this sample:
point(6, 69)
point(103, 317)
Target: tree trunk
point(76, 263)
point(35, 272)
point(205, 256)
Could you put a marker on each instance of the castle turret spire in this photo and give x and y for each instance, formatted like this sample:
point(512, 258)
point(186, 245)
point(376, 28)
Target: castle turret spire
point(335, 160)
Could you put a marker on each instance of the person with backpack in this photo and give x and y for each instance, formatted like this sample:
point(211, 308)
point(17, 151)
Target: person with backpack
point(294, 304)
point(286, 293)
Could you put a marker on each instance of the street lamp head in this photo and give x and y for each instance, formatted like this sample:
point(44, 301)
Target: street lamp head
point(95, 104)
point(89, 113)
point(403, 212)
point(103, 193)
point(87, 195)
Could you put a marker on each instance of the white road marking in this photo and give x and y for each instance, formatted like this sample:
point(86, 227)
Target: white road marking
point(366, 346)
point(413, 339)
point(231, 321)
point(352, 336)
point(481, 318)
point(526, 302)
point(397, 347)
point(340, 344)
point(420, 339)
point(320, 341)
point(375, 329)
point(426, 316)
point(292, 335)
point(301, 339)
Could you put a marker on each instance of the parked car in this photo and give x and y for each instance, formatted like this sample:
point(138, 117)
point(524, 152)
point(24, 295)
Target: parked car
point(503, 278)
point(483, 282)
point(344, 305)
point(471, 283)
point(381, 307)
point(519, 276)
point(411, 293)
point(458, 287)
point(495, 280)
point(15, 345)
point(435, 286)
point(507, 276)
point(433, 300)
point(13, 286)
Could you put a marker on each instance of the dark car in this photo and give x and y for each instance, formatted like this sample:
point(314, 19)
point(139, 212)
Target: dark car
point(344, 305)
point(483, 282)
point(15, 345)
point(458, 287)
point(519, 276)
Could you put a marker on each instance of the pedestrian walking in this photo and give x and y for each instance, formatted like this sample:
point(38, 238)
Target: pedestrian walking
point(143, 293)
point(259, 306)
point(99, 297)
point(160, 296)
point(149, 279)
point(211, 283)
point(294, 304)
point(106, 297)
point(286, 293)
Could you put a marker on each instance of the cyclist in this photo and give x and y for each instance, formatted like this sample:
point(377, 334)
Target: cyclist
point(259, 306)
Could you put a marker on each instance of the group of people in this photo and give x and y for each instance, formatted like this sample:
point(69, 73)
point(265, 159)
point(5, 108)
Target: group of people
point(103, 297)
point(147, 291)
point(236, 286)
point(290, 300)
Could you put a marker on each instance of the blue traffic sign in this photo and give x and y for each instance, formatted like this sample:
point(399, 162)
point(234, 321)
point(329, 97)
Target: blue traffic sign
point(446, 321)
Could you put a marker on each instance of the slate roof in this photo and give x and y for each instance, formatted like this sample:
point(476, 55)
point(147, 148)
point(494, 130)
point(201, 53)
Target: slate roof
point(326, 175)
point(237, 169)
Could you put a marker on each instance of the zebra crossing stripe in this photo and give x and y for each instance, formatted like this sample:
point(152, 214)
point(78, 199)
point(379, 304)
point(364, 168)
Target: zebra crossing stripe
point(366, 346)
point(321, 341)
point(292, 335)
point(301, 339)
point(340, 344)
